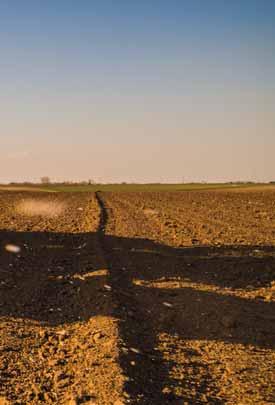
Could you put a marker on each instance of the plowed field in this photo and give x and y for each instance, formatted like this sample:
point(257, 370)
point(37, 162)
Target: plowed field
point(140, 298)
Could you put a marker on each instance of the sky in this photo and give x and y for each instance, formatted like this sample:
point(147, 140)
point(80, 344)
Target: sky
point(138, 91)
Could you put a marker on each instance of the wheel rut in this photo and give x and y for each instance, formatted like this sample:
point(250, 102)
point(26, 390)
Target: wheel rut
point(146, 373)
point(58, 337)
point(176, 345)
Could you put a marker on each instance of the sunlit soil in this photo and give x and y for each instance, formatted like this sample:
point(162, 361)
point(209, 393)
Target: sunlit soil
point(140, 298)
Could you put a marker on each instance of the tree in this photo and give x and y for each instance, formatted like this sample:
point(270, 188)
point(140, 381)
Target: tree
point(45, 180)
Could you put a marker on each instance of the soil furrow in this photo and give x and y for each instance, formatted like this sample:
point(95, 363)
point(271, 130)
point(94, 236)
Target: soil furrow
point(139, 357)
point(182, 340)
point(58, 336)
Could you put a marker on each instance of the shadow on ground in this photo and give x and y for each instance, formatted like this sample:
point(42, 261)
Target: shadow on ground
point(54, 273)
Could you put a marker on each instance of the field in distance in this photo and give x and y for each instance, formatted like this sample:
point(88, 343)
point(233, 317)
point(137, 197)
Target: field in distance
point(136, 187)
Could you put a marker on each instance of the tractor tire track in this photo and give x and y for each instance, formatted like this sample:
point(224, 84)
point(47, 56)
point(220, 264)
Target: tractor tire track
point(147, 373)
point(181, 342)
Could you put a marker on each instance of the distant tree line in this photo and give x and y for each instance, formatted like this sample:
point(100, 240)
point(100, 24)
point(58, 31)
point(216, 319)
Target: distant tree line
point(46, 180)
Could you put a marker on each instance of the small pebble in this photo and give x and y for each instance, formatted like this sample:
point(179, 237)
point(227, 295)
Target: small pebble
point(12, 248)
point(167, 304)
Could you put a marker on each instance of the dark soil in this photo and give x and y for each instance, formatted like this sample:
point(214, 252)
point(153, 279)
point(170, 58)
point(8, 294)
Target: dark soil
point(141, 298)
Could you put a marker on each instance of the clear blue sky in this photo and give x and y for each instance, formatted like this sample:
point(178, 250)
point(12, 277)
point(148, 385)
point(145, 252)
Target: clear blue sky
point(137, 90)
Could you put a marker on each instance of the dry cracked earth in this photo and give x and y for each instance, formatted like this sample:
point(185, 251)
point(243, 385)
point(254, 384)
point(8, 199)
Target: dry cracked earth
point(139, 298)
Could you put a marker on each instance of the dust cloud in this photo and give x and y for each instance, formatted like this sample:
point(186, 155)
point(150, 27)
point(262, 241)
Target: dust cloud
point(34, 207)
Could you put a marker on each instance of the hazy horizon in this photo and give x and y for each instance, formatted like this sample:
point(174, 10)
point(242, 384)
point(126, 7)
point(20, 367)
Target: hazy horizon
point(137, 91)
